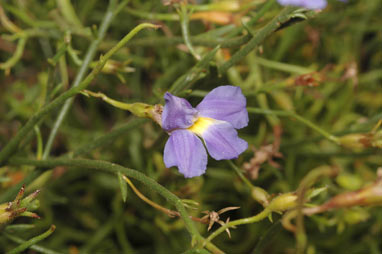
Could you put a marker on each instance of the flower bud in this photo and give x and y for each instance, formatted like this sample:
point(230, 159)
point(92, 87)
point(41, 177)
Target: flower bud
point(283, 202)
point(260, 195)
point(355, 141)
point(7, 215)
point(367, 196)
point(363, 140)
point(376, 140)
point(19, 207)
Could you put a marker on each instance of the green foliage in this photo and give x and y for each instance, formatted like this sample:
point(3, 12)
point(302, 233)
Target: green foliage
point(309, 182)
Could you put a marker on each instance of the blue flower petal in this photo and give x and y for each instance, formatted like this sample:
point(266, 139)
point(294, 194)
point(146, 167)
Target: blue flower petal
point(309, 4)
point(177, 113)
point(186, 151)
point(226, 103)
point(222, 141)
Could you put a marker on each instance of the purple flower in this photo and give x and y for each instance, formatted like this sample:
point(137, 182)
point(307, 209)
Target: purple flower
point(309, 4)
point(214, 120)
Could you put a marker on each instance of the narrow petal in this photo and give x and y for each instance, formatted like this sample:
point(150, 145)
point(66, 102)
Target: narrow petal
point(225, 103)
point(186, 151)
point(177, 113)
point(222, 141)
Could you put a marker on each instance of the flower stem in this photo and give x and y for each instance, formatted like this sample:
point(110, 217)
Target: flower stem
point(298, 118)
point(262, 215)
point(169, 212)
point(184, 20)
point(240, 174)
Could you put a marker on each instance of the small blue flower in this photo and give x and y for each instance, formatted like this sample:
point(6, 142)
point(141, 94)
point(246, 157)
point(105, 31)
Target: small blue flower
point(215, 120)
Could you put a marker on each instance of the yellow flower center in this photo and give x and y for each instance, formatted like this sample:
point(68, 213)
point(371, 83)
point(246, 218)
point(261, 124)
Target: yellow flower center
point(201, 125)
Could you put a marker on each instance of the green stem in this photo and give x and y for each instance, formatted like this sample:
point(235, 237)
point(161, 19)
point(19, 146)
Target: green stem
point(184, 20)
point(98, 236)
point(87, 148)
point(67, 10)
point(121, 6)
point(21, 14)
point(205, 39)
point(271, 27)
point(195, 73)
point(107, 19)
point(258, 193)
point(262, 215)
point(39, 142)
point(16, 56)
point(153, 16)
point(32, 241)
point(240, 174)
point(282, 66)
point(109, 137)
point(298, 118)
point(305, 184)
point(136, 108)
point(256, 75)
point(13, 144)
point(199, 40)
point(34, 247)
point(268, 4)
point(114, 168)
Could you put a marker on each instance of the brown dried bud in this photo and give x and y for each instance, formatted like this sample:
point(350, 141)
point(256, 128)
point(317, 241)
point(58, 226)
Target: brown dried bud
point(368, 196)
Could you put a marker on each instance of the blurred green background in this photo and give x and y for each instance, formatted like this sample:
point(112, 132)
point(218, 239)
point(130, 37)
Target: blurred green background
point(324, 66)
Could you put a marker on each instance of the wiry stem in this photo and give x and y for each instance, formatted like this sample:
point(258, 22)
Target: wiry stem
point(12, 145)
point(114, 168)
point(297, 117)
point(262, 215)
point(32, 241)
